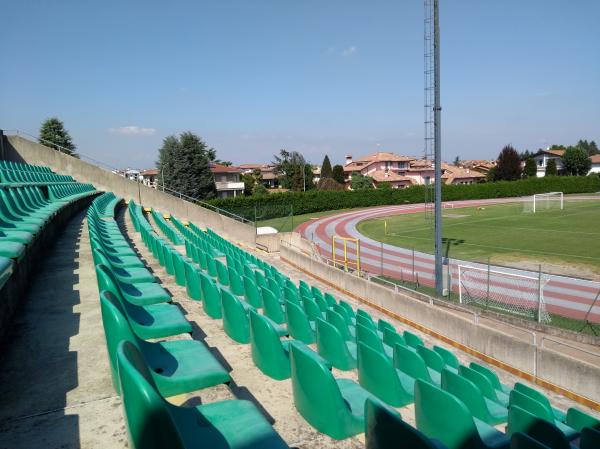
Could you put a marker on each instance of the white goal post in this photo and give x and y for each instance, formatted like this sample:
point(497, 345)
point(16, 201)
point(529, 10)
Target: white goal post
point(543, 201)
point(507, 292)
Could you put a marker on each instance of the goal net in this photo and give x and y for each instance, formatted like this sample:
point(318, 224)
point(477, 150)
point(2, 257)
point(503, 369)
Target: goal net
point(501, 291)
point(544, 201)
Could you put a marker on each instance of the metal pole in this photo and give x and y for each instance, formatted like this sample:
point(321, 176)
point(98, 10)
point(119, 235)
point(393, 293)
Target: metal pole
point(540, 292)
point(413, 265)
point(487, 304)
point(382, 258)
point(439, 285)
point(358, 255)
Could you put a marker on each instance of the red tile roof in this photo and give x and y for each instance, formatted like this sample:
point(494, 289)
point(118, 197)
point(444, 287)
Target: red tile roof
point(218, 168)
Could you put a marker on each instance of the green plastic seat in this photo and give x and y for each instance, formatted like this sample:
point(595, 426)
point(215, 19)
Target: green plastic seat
point(192, 281)
point(433, 360)
point(348, 333)
point(222, 273)
point(320, 301)
point(291, 294)
point(348, 308)
point(272, 308)
point(119, 261)
point(442, 416)
point(350, 321)
point(211, 267)
point(211, 297)
point(520, 420)
point(540, 397)
point(333, 406)
point(138, 294)
point(235, 317)
point(378, 376)
point(331, 301)
point(371, 338)
point(153, 423)
point(492, 376)
point(312, 309)
point(269, 353)
point(484, 384)
point(137, 275)
point(298, 324)
point(177, 366)
point(11, 250)
point(578, 420)
point(521, 440)
point(590, 438)
point(333, 348)
point(480, 407)
point(393, 338)
point(413, 340)
point(179, 268)
point(236, 283)
point(384, 429)
point(448, 356)
point(412, 364)
point(383, 324)
point(540, 411)
point(252, 293)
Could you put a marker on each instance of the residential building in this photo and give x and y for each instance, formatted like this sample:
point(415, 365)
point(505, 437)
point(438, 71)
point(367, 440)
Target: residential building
point(149, 177)
point(267, 172)
point(544, 156)
point(227, 180)
point(129, 173)
point(595, 163)
point(479, 165)
point(452, 174)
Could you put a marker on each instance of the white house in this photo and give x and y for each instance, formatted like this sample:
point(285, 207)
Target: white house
point(544, 156)
point(595, 163)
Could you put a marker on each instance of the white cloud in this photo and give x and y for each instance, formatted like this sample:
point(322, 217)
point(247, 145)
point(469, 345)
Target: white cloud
point(133, 131)
point(349, 51)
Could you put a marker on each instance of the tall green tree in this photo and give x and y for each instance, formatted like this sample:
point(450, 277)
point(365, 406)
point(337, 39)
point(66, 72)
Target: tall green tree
point(526, 155)
point(551, 168)
point(361, 182)
point(530, 170)
point(295, 173)
point(338, 174)
point(184, 165)
point(509, 164)
point(326, 170)
point(589, 147)
point(53, 134)
point(576, 161)
point(457, 161)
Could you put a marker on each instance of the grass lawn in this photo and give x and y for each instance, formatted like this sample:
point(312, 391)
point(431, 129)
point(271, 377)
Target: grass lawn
point(566, 241)
point(286, 224)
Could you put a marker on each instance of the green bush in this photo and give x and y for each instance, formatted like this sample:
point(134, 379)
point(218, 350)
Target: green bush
point(279, 204)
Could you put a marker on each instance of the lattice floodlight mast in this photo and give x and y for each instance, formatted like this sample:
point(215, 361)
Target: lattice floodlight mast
point(433, 143)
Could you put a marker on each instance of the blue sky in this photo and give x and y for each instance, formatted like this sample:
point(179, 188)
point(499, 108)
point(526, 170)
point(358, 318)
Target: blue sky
point(318, 76)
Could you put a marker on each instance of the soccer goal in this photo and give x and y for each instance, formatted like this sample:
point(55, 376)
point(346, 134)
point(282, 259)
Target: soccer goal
point(544, 201)
point(505, 292)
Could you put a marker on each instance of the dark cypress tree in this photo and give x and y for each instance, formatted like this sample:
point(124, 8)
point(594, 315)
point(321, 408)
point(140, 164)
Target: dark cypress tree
point(326, 171)
point(509, 164)
point(53, 134)
point(184, 164)
point(551, 168)
point(530, 170)
point(338, 174)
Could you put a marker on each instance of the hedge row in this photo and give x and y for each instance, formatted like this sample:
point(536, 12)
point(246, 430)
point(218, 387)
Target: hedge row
point(282, 204)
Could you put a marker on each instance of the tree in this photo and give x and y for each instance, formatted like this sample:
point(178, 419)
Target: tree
point(361, 182)
point(296, 173)
point(338, 174)
point(551, 168)
point(329, 184)
point(530, 170)
point(184, 165)
point(249, 183)
point(492, 174)
point(524, 155)
point(509, 164)
point(53, 134)
point(589, 147)
point(260, 189)
point(385, 185)
point(457, 161)
point(326, 171)
point(576, 161)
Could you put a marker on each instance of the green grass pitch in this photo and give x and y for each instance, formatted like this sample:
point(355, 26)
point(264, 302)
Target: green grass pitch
point(567, 240)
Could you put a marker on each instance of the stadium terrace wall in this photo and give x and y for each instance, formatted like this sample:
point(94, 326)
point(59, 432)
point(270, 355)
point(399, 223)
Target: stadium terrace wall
point(574, 378)
point(19, 149)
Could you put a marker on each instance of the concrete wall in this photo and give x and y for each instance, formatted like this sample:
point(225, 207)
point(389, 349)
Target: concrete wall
point(22, 150)
point(558, 369)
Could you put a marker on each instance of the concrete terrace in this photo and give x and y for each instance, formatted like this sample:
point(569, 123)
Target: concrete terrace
point(55, 384)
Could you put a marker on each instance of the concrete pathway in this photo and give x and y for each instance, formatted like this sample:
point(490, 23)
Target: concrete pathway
point(55, 385)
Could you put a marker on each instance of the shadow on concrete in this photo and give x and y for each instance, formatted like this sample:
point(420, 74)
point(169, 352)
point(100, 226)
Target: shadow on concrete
point(38, 369)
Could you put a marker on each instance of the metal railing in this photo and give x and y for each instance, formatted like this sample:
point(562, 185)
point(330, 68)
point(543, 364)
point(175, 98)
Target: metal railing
point(104, 165)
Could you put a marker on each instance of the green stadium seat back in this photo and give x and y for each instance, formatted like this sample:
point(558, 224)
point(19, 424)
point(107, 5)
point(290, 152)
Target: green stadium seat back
point(235, 318)
point(520, 420)
point(298, 324)
point(211, 297)
point(542, 398)
point(578, 420)
point(332, 346)
point(269, 353)
point(491, 375)
point(192, 281)
point(448, 356)
point(413, 340)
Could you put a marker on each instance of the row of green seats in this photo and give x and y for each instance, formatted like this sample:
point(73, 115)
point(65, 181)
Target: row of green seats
point(10, 165)
point(69, 192)
point(164, 226)
point(145, 372)
point(31, 177)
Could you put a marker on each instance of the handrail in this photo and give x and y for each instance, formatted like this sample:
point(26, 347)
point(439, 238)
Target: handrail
point(110, 167)
point(544, 338)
